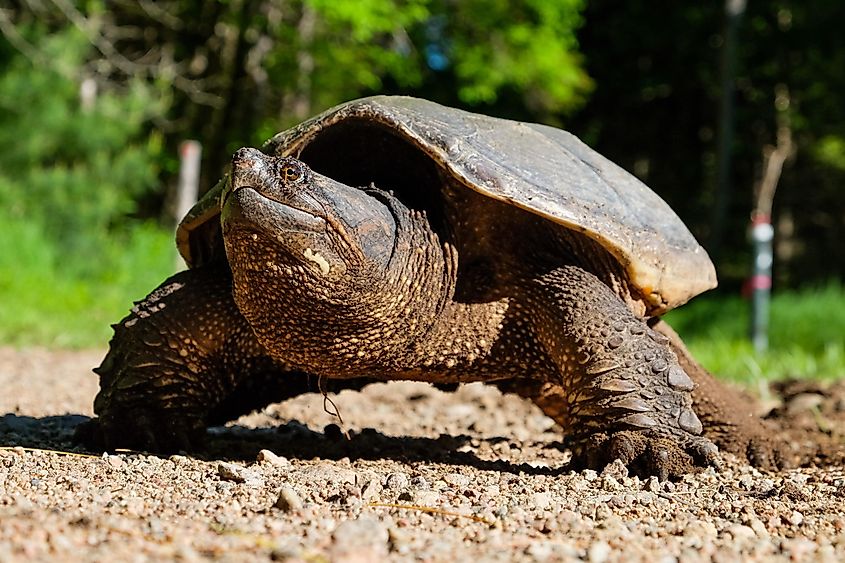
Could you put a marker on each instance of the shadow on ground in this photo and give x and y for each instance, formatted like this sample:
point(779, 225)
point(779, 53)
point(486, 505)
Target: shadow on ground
point(292, 439)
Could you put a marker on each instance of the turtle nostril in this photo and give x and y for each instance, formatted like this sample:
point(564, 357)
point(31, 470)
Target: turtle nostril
point(246, 158)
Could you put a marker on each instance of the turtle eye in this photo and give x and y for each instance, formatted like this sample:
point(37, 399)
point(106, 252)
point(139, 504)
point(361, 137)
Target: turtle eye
point(291, 172)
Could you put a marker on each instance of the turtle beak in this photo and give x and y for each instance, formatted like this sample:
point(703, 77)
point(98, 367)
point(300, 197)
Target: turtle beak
point(252, 197)
point(250, 169)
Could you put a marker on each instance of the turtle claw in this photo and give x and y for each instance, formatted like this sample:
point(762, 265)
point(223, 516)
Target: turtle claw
point(647, 454)
point(149, 432)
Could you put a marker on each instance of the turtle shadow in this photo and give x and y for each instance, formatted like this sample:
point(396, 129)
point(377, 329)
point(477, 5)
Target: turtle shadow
point(297, 441)
point(293, 440)
point(47, 432)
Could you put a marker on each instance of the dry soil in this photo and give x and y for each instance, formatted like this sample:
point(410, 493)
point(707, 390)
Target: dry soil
point(413, 474)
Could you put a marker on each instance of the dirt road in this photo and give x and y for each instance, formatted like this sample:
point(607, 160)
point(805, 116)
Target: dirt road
point(423, 476)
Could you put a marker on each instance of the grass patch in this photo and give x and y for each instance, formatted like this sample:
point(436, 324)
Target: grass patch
point(806, 335)
point(66, 301)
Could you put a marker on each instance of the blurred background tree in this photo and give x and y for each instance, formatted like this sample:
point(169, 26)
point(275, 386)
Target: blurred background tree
point(96, 95)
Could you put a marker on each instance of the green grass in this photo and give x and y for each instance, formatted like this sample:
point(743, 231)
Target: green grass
point(806, 335)
point(50, 298)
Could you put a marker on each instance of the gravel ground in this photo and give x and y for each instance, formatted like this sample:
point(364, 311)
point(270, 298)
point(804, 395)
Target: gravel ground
point(412, 474)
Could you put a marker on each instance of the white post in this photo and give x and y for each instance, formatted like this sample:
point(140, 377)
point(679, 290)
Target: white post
point(187, 191)
point(189, 177)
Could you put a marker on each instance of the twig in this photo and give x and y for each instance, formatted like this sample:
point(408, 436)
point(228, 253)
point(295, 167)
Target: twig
point(432, 510)
point(59, 452)
point(327, 399)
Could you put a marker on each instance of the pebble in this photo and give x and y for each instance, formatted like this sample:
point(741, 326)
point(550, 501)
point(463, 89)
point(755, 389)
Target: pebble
point(114, 461)
point(457, 479)
point(362, 540)
point(266, 456)
point(396, 481)
point(609, 483)
point(541, 501)
point(589, 475)
point(598, 552)
point(238, 474)
point(615, 469)
point(740, 532)
point(804, 402)
point(371, 489)
point(288, 500)
point(425, 498)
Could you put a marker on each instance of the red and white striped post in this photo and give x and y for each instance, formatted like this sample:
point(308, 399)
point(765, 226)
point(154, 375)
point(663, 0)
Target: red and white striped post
point(761, 234)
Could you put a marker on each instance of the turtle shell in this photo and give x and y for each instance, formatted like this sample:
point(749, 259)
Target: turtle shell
point(537, 168)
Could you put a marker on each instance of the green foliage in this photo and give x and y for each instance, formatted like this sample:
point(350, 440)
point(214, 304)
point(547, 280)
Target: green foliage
point(76, 172)
point(806, 338)
point(69, 177)
point(45, 304)
point(830, 151)
point(527, 46)
point(486, 48)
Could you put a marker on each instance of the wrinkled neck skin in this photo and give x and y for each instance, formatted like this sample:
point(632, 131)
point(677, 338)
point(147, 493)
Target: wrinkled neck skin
point(362, 320)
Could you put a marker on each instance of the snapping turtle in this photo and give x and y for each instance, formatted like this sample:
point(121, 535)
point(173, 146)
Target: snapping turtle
point(394, 238)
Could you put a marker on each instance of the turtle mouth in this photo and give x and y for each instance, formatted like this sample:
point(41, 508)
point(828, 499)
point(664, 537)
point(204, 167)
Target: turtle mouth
point(246, 205)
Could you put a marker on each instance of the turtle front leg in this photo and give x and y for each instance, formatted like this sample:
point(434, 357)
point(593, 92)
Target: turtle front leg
point(184, 359)
point(728, 414)
point(620, 392)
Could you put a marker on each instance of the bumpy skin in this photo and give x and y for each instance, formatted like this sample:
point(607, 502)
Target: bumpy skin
point(183, 359)
point(727, 414)
point(337, 283)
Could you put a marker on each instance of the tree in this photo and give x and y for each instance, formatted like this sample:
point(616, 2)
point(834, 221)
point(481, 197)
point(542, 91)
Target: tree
point(654, 112)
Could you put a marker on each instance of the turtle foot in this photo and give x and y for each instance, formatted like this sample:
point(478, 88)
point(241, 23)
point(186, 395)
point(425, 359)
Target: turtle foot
point(646, 454)
point(143, 431)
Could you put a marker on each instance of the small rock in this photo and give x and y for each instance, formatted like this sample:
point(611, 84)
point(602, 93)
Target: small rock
point(759, 528)
point(609, 483)
point(419, 482)
point(653, 484)
point(799, 549)
point(114, 461)
point(740, 532)
point(792, 490)
point(616, 469)
point(288, 499)
point(457, 479)
point(370, 489)
point(425, 498)
point(399, 539)
point(396, 481)
point(589, 475)
point(266, 456)
point(796, 518)
point(598, 552)
point(799, 479)
point(541, 501)
point(238, 474)
point(539, 551)
point(804, 402)
point(364, 539)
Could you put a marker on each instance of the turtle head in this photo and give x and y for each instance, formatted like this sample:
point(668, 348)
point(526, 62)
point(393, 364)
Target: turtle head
point(322, 270)
point(280, 217)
